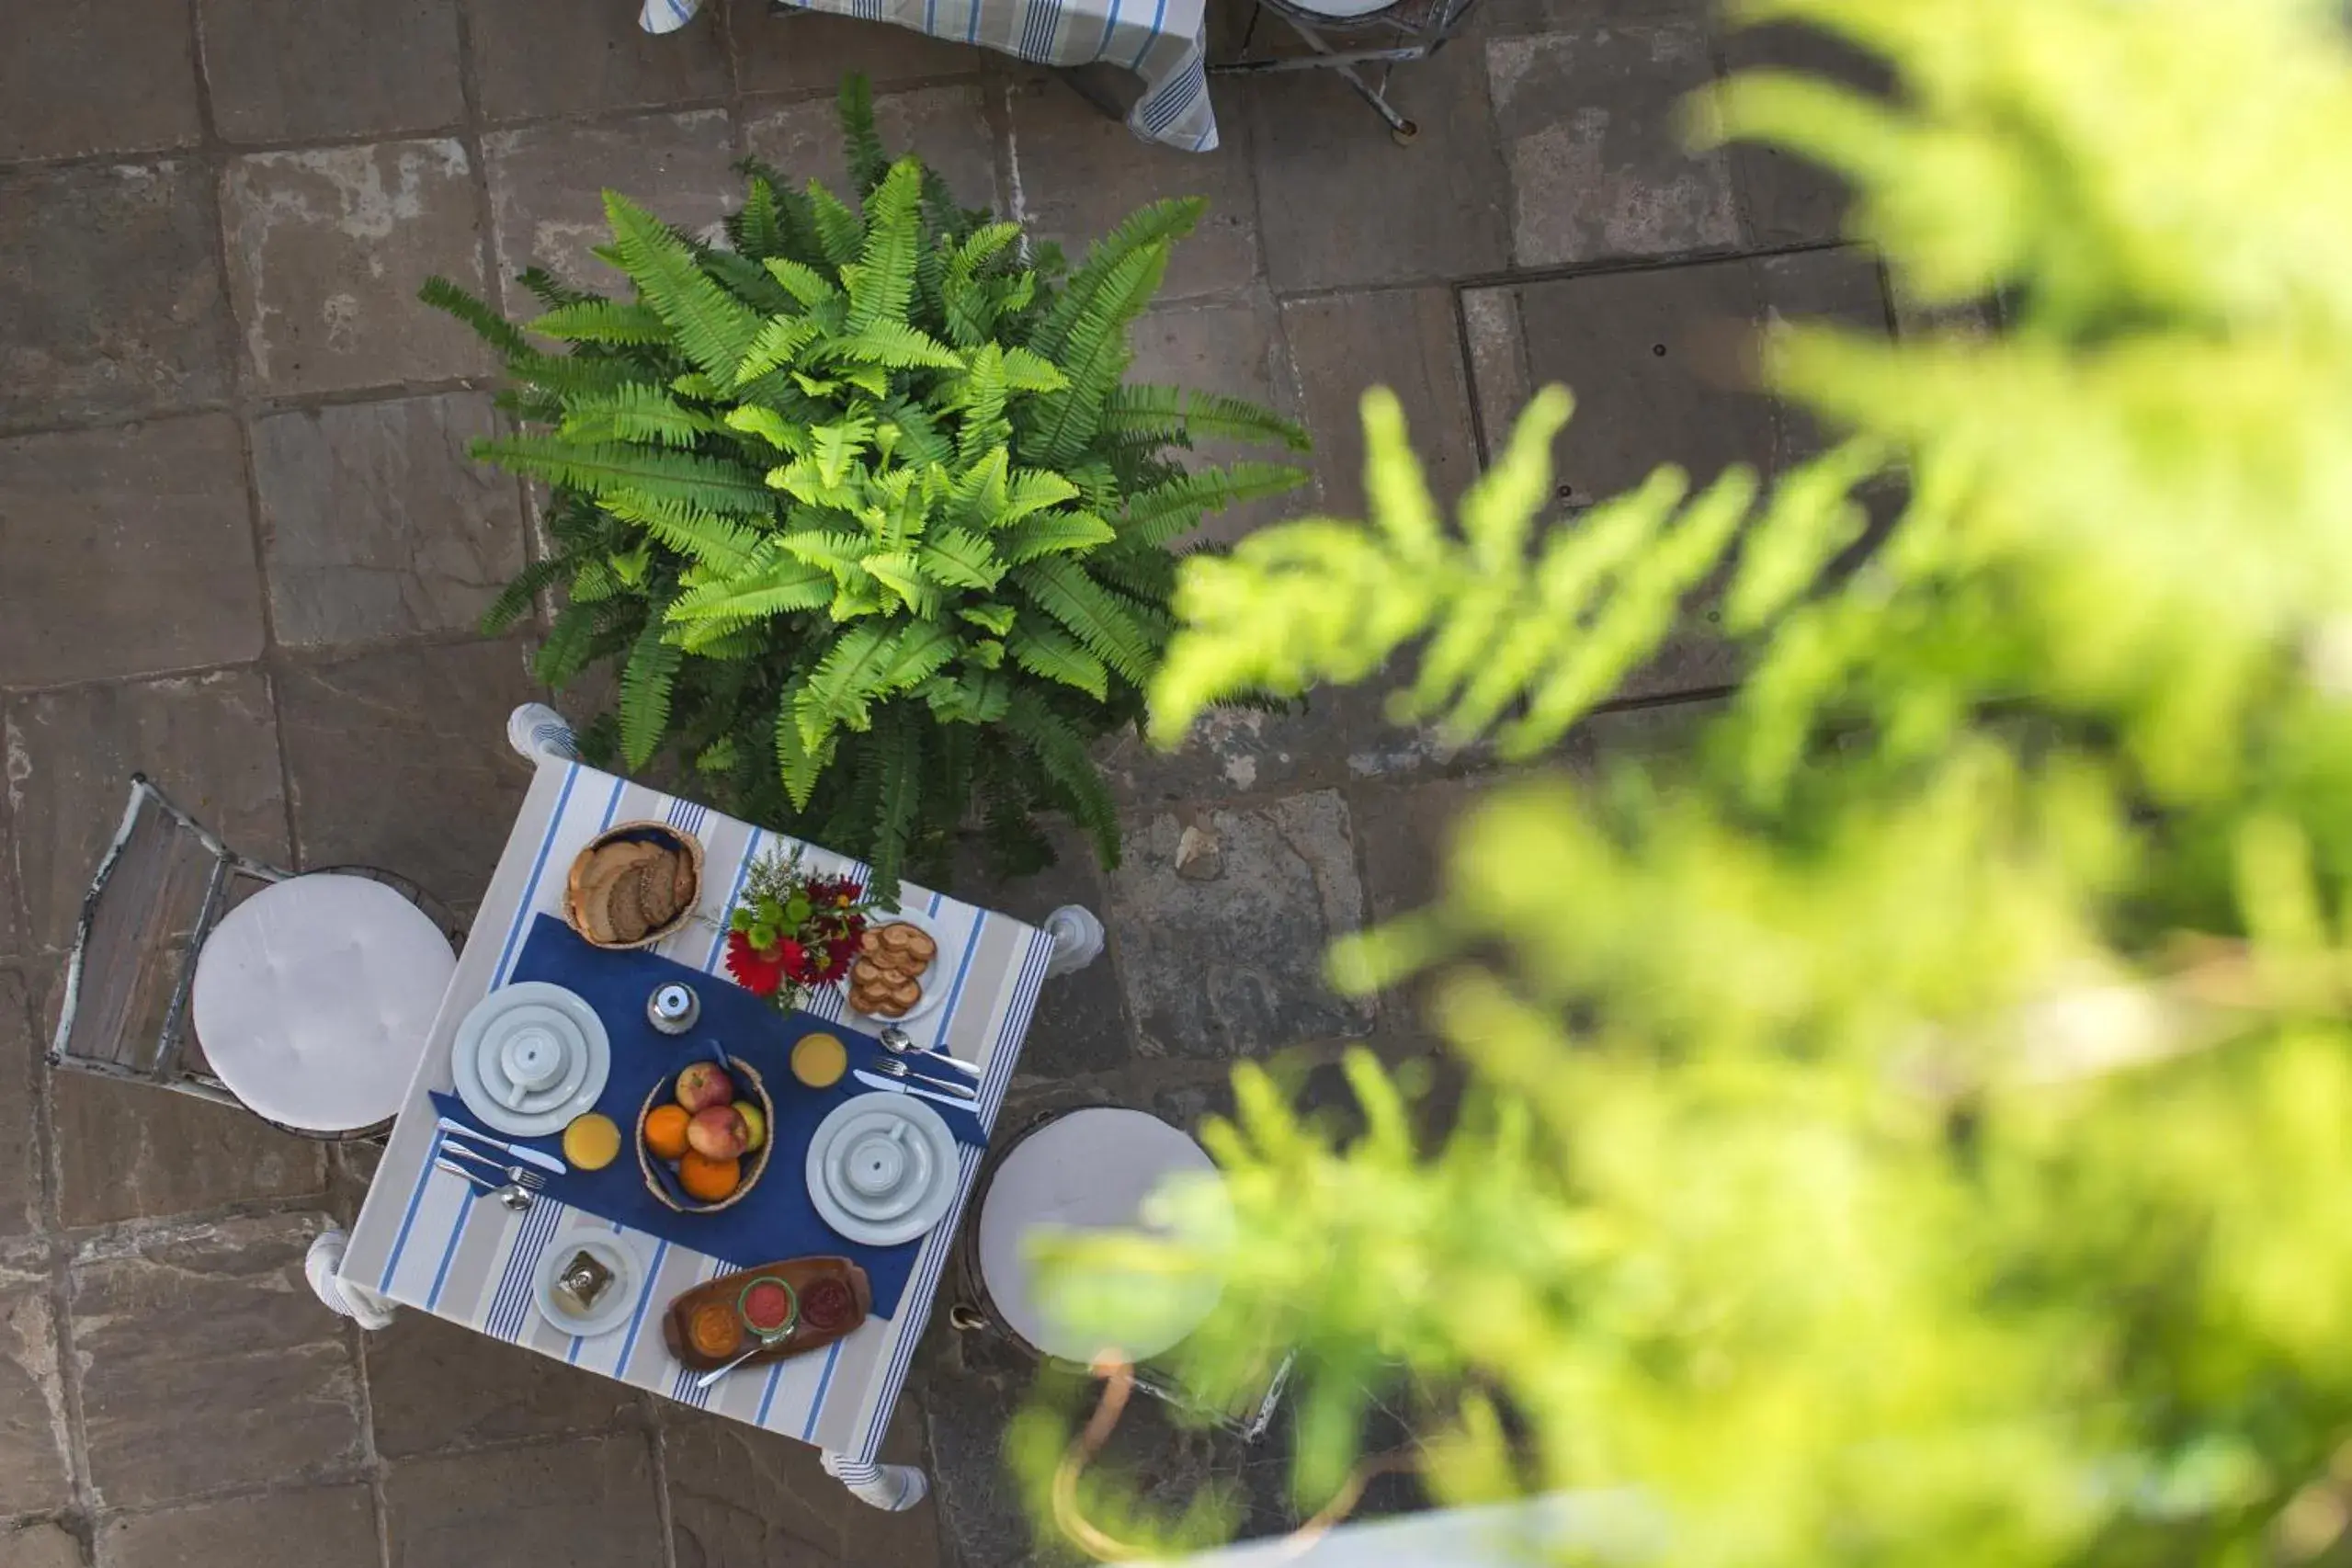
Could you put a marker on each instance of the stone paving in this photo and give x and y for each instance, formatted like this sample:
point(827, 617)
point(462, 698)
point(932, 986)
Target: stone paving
point(241, 549)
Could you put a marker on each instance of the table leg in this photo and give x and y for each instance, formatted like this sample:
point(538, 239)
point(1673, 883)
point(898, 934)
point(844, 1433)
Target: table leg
point(893, 1488)
point(534, 729)
point(356, 1303)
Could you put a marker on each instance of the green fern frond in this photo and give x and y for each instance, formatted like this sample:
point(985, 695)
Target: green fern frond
point(920, 441)
point(569, 645)
point(518, 597)
point(1156, 515)
point(1095, 357)
point(713, 327)
point(745, 278)
point(854, 672)
point(645, 683)
point(750, 419)
point(550, 290)
point(901, 572)
point(1045, 650)
point(494, 329)
point(963, 560)
point(861, 144)
point(834, 447)
point(918, 651)
point(1054, 533)
point(840, 231)
point(969, 696)
point(778, 341)
point(901, 743)
point(804, 283)
point(610, 471)
point(693, 532)
point(603, 321)
point(885, 280)
point(756, 230)
point(996, 618)
point(1158, 412)
point(895, 345)
point(1096, 617)
point(802, 749)
point(1032, 490)
point(1154, 227)
point(636, 413)
point(1026, 371)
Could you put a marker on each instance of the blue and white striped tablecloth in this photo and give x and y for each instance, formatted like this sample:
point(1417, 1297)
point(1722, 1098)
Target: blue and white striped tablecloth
point(425, 1239)
point(1160, 40)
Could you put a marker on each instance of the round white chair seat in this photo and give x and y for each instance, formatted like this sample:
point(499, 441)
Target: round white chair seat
point(1090, 1169)
point(313, 997)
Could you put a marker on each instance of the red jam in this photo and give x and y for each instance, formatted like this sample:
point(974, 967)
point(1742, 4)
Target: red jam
point(767, 1306)
point(825, 1306)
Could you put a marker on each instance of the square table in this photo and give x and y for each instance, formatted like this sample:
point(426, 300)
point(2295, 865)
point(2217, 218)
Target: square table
point(425, 1239)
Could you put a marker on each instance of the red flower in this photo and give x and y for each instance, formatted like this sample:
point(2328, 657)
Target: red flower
point(759, 971)
point(795, 960)
point(837, 956)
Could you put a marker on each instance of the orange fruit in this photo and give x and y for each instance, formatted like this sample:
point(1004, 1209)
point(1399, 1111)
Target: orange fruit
point(706, 1178)
point(666, 1130)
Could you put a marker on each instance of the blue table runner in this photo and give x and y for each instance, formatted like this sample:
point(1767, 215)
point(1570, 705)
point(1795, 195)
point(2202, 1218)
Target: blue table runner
point(777, 1220)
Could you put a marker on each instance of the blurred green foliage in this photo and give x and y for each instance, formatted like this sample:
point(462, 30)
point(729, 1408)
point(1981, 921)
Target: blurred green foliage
point(1917, 1127)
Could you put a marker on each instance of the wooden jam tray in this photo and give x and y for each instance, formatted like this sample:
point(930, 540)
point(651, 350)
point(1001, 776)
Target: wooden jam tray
point(798, 1272)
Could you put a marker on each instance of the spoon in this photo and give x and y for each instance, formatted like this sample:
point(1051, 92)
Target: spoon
point(898, 1042)
point(707, 1379)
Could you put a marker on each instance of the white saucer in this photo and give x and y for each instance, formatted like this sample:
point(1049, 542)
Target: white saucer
point(936, 981)
point(529, 1058)
point(882, 1168)
point(612, 1308)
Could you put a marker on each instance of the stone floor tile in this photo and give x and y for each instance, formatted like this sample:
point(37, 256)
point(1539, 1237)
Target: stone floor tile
point(802, 52)
point(435, 1386)
point(35, 1473)
point(591, 1503)
point(1342, 204)
point(1082, 172)
point(947, 125)
point(1406, 831)
point(1787, 199)
point(326, 250)
point(1661, 362)
point(109, 289)
point(1589, 119)
point(1840, 287)
point(128, 551)
point(131, 1150)
point(324, 1527)
point(547, 186)
point(1407, 340)
point(41, 1544)
point(377, 522)
point(216, 1326)
point(113, 79)
point(14, 939)
point(978, 1506)
point(1080, 1026)
point(293, 69)
point(207, 741)
point(743, 1498)
point(399, 759)
point(21, 1042)
point(548, 57)
point(1222, 932)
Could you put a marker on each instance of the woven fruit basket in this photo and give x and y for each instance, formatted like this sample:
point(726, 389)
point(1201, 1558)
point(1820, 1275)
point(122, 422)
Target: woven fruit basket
point(664, 1182)
point(633, 884)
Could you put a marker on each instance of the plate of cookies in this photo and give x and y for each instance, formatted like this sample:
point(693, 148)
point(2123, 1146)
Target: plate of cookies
point(633, 884)
point(895, 974)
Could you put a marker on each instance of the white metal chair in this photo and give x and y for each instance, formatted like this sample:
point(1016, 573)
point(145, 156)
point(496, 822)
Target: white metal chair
point(1345, 34)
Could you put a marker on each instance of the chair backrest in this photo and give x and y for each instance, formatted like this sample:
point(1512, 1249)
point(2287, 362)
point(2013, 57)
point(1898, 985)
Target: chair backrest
point(162, 885)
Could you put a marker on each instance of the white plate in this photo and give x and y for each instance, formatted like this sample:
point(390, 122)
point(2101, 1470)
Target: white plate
point(562, 1019)
point(879, 1115)
point(935, 981)
point(612, 1308)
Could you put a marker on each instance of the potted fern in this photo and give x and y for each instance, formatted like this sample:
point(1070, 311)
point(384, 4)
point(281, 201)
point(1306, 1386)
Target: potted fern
point(860, 507)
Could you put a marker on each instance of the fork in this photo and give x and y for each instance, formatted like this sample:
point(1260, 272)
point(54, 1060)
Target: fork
point(519, 1176)
point(514, 1195)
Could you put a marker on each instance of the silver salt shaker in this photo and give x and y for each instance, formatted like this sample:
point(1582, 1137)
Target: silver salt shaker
point(672, 1008)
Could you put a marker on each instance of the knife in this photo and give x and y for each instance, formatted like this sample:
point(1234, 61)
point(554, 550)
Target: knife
point(548, 1163)
point(896, 1086)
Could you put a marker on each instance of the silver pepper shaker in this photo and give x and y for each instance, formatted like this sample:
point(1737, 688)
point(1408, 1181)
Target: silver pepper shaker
point(672, 1008)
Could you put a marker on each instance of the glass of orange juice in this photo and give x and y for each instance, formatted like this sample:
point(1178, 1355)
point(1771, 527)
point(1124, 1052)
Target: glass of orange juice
point(818, 1059)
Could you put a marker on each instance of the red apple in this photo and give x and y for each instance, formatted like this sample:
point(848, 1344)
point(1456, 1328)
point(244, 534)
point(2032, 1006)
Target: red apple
point(702, 1084)
point(718, 1133)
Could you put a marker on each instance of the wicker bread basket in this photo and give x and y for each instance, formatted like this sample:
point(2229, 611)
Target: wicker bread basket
point(659, 833)
point(663, 1182)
